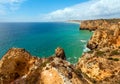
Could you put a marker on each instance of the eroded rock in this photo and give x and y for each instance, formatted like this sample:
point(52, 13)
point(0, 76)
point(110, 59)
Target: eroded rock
point(105, 37)
point(59, 52)
point(101, 66)
point(18, 67)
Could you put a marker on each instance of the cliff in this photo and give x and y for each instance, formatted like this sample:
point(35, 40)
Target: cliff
point(100, 65)
point(18, 67)
point(95, 24)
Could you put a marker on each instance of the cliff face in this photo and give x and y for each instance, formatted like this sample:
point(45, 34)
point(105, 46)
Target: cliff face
point(95, 24)
point(106, 33)
point(105, 37)
point(18, 67)
point(101, 64)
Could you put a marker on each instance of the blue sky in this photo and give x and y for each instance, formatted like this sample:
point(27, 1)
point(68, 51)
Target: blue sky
point(57, 10)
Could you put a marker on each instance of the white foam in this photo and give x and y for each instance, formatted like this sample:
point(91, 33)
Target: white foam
point(85, 49)
point(83, 41)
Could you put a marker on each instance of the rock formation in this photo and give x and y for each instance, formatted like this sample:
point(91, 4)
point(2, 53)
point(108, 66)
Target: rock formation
point(59, 52)
point(18, 67)
point(95, 24)
point(105, 37)
point(100, 65)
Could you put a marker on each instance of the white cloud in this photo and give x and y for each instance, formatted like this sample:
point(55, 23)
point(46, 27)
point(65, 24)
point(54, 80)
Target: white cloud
point(9, 5)
point(92, 9)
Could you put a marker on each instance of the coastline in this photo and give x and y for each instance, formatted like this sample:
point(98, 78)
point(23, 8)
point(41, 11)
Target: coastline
point(73, 21)
point(99, 65)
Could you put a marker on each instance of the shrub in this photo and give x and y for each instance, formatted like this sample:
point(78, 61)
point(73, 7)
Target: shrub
point(99, 53)
point(115, 52)
point(114, 59)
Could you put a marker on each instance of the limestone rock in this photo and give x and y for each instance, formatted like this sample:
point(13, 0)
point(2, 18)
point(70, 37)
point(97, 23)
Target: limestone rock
point(18, 67)
point(14, 64)
point(59, 52)
point(105, 37)
point(97, 24)
point(101, 66)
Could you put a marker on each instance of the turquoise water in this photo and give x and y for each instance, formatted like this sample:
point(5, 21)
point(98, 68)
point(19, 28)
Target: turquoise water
point(41, 39)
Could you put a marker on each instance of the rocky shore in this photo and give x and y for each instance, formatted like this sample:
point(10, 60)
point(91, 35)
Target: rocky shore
point(18, 67)
point(100, 65)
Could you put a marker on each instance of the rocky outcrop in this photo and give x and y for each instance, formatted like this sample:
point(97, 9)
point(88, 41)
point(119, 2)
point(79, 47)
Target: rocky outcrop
point(105, 37)
point(96, 24)
point(59, 52)
point(100, 65)
point(18, 67)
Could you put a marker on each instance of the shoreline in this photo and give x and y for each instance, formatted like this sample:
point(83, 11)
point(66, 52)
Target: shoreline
point(75, 22)
point(103, 58)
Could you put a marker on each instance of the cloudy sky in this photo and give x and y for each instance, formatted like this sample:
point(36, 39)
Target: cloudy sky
point(57, 10)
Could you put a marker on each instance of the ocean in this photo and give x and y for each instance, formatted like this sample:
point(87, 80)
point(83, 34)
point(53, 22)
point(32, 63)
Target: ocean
point(42, 38)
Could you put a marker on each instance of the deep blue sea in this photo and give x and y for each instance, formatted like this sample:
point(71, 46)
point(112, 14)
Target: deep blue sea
point(41, 39)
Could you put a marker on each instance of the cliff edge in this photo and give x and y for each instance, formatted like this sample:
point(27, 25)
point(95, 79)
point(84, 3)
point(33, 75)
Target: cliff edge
point(101, 63)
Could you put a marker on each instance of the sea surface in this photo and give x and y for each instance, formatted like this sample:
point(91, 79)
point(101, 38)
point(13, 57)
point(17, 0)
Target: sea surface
point(41, 39)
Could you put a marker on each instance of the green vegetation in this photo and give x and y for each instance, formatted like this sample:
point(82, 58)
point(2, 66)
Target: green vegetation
point(115, 52)
point(99, 53)
point(114, 59)
point(113, 20)
point(90, 52)
point(44, 64)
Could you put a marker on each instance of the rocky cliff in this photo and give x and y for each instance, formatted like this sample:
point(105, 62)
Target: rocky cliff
point(95, 24)
point(100, 65)
point(18, 67)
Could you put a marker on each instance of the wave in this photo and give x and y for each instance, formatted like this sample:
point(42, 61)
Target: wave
point(83, 41)
point(85, 49)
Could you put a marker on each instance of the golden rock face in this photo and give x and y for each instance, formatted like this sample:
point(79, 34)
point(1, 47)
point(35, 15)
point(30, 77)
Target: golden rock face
point(101, 64)
point(47, 77)
point(107, 36)
point(18, 67)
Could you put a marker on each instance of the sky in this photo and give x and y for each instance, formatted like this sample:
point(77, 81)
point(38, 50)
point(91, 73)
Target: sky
point(57, 10)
